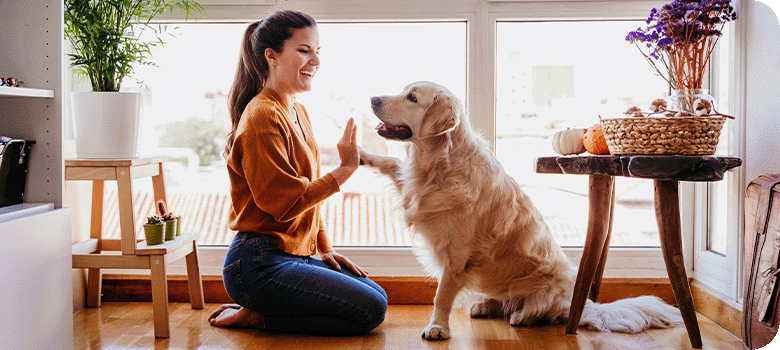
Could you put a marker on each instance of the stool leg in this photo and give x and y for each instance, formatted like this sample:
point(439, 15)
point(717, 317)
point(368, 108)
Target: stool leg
point(667, 214)
point(600, 190)
point(94, 287)
point(594, 288)
point(159, 296)
point(94, 276)
point(193, 278)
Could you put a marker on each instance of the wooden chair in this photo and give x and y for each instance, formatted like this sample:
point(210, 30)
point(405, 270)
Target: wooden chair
point(135, 254)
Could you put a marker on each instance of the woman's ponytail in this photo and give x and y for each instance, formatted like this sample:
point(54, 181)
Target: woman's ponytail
point(253, 70)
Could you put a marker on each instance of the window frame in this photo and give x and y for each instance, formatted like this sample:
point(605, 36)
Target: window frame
point(723, 273)
point(481, 17)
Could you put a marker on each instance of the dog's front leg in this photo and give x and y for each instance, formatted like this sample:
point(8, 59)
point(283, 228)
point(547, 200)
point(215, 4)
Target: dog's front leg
point(389, 166)
point(439, 326)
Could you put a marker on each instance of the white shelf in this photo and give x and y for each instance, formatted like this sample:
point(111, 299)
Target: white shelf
point(35, 239)
point(6, 91)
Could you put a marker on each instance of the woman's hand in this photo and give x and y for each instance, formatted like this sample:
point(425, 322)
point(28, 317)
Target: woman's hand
point(336, 260)
point(348, 152)
point(347, 146)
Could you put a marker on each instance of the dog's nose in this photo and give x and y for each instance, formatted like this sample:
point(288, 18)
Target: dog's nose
point(375, 102)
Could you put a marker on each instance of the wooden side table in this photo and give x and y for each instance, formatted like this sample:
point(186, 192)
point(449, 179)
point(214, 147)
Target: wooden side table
point(666, 171)
point(135, 254)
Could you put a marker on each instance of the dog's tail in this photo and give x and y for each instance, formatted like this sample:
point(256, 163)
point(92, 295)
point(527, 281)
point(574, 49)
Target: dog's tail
point(630, 315)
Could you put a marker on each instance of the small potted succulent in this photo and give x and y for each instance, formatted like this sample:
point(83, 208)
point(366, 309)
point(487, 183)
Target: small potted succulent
point(168, 218)
point(178, 225)
point(154, 229)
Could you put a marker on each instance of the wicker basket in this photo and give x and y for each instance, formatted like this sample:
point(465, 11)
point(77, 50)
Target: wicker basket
point(662, 135)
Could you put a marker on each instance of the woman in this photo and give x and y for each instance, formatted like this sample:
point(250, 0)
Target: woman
point(276, 189)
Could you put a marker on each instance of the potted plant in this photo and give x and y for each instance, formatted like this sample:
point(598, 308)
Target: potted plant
point(677, 42)
point(107, 44)
point(154, 229)
point(168, 218)
point(178, 224)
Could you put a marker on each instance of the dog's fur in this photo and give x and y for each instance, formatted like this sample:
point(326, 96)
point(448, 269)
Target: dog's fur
point(480, 230)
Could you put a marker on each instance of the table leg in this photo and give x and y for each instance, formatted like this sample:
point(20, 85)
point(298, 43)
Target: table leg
point(594, 288)
point(667, 214)
point(600, 191)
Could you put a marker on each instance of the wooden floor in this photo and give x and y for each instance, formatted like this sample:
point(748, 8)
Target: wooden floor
point(124, 325)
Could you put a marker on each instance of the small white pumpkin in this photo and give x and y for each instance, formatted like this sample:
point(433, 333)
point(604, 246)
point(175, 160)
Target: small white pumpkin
point(569, 141)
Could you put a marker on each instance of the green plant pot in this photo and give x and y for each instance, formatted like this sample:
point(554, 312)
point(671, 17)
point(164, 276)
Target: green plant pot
point(170, 229)
point(155, 234)
point(178, 225)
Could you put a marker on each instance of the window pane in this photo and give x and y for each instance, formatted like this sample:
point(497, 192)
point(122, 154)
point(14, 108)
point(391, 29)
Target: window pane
point(360, 61)
point(185, 118)
point(717, 233)
point(554, 75)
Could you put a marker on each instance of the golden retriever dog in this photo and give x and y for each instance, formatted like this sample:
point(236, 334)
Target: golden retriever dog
point(480, 231)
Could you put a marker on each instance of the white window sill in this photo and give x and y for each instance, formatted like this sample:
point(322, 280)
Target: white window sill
point(401, 262)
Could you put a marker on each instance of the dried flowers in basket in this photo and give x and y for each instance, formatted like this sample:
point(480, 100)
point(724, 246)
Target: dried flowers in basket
point(679, 39)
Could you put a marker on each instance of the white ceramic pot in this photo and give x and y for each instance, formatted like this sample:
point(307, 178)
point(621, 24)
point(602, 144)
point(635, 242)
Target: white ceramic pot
point(106, 124)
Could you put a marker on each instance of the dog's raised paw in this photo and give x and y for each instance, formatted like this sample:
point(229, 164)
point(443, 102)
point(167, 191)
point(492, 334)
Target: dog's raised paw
point(365, 157)
point(434, 332)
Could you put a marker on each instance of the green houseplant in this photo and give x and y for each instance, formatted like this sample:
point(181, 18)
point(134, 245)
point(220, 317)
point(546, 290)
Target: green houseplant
point(154, 230)
point(170, 220)
point(105, 35)
point(107, 45)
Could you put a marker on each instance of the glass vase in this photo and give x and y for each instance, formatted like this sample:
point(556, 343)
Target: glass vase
point(692, 102)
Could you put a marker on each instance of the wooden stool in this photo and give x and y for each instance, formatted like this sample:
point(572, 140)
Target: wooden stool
point(666, 171)
point(136, 254)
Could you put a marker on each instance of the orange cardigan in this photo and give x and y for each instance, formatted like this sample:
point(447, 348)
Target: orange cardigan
point(275, 182)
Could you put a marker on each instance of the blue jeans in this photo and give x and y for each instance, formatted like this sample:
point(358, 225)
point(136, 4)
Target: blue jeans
point(300, 294)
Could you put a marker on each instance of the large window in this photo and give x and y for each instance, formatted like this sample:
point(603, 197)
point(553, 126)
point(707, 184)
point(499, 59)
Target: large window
point(523, 69)
point(360, 60)
point(550, 79)
point(186, 117)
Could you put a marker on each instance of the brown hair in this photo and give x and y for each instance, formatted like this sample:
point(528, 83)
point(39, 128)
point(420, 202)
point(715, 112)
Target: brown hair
point(252, 70)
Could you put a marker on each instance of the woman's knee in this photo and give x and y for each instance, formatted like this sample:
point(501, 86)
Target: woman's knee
point(376, 307)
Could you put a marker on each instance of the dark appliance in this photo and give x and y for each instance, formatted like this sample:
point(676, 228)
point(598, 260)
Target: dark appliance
point(14, 158)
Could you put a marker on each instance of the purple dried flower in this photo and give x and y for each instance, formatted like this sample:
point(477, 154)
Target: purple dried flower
point(652, 15)
point(675, 33)
point(637, 36)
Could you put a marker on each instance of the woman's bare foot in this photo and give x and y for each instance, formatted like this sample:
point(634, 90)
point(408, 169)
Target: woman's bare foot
point(233, 315)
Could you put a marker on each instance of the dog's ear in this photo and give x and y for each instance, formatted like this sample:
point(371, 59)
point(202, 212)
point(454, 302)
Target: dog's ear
point(441, 117)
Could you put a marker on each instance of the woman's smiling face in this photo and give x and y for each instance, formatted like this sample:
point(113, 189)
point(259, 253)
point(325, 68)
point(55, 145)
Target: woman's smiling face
point(299, 60)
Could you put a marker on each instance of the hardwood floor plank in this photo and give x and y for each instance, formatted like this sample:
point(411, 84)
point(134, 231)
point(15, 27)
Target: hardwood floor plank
point(125, 325)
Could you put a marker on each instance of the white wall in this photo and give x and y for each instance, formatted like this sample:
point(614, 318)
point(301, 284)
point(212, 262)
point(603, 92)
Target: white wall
point(762, 90)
